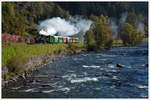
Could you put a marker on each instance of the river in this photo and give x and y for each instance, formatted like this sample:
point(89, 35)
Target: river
point(90, 75)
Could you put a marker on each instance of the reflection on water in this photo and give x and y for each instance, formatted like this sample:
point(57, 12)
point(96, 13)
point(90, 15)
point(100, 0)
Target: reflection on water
point(90, 75)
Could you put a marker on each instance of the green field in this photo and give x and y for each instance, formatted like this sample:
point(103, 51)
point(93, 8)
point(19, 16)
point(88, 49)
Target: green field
point(25, 51)
point(10, 50)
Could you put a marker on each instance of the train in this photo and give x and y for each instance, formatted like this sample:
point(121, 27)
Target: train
point(56, 39)
point(39, 39)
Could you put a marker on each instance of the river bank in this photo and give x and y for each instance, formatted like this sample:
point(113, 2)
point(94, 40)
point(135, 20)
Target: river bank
point(34, 63)
point(15, 66)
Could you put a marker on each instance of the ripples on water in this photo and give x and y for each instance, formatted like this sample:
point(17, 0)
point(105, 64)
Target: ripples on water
point(92, 75)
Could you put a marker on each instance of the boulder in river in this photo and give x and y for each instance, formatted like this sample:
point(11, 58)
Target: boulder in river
point(120, 65)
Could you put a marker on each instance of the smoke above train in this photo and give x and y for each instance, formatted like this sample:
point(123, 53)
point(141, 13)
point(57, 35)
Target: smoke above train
point(61, 27)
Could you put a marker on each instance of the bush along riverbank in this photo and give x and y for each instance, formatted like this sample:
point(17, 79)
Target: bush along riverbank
point(19, 58)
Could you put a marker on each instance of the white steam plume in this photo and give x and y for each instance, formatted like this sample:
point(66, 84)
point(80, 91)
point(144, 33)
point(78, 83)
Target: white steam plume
point(123, 18)
point(80, 23)
point(114, 27)
point(140, 24)
point(63, 27)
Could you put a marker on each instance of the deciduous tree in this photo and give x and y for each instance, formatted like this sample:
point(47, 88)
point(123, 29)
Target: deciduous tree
point(130, 36)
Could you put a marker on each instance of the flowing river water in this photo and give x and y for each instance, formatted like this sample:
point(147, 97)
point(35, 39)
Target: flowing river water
point(90, 75)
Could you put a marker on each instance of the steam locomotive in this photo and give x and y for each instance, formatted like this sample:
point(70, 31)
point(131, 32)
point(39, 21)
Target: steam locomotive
point(55, 39)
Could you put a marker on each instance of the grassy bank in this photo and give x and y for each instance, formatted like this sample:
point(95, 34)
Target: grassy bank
point(22, 50)
point(118, 43)
point(145, 40)
point(14, 55)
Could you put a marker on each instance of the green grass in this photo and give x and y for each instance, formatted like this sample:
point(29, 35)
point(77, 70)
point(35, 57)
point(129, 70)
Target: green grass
point(23, 50)
point(10, 50)
point(117, 43)
point(145, 39)
point(11, 44)
point(79, 45)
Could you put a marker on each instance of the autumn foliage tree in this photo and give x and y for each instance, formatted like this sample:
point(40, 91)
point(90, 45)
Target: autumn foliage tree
point(102, 32)
point(131, 36)
point(11, 23)
point(99, 35)
point(90, 40)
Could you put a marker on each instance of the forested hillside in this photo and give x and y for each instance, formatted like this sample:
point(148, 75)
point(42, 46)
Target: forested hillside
point(22, 18)
point(111, 9)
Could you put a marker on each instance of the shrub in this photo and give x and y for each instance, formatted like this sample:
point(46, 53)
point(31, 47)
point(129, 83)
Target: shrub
point(109, 44)
point(16, 65)
point(6, 77)
point(90, 41)
point(72, 48)
point(138, 36)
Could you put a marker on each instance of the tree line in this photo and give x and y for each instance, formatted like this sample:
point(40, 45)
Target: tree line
point(99, 37)
point(22, 18)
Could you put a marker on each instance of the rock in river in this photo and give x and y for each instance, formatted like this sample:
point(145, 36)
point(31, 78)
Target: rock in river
point(120, 66)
